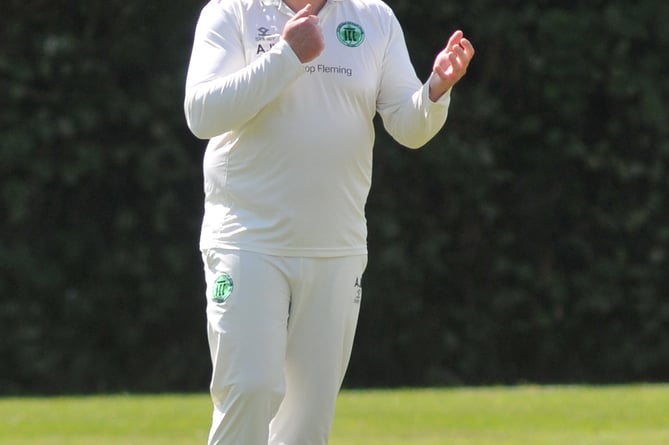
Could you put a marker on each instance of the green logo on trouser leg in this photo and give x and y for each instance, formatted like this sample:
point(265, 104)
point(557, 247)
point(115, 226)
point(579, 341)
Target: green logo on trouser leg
point(222, 288)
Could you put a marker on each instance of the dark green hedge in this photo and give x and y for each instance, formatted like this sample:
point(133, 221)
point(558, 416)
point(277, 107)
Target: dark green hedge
point(529, 241)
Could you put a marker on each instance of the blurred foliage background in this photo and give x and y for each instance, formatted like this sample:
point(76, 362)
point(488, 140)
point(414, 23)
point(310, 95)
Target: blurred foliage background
point(528, 242)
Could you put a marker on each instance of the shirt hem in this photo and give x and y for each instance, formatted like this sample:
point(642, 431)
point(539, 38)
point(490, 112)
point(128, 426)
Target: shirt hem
point(312, 252)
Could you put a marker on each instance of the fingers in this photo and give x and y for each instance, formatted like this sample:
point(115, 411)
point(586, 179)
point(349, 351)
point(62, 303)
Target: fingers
point(454, 39)
point(450, 64)
point(440, 72)
point(458, 64)
point(458, 42)
point(468, 47)
point(459, 51)
point(304, 35)
point(451, 70)
point(304, 12)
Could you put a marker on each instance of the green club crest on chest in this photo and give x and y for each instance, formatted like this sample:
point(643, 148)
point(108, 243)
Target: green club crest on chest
point(350, 34)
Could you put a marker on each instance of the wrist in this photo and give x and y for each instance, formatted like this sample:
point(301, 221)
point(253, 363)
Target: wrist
point(437, 87)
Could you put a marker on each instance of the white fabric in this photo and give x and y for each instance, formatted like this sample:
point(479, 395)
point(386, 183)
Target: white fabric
point(280, 344)
point(288, 168)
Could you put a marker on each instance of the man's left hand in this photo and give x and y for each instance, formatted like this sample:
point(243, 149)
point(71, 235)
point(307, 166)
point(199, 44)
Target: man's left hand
point(450, 64)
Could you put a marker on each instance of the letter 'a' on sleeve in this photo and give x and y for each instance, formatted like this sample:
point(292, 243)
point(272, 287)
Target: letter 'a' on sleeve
point(223, 91)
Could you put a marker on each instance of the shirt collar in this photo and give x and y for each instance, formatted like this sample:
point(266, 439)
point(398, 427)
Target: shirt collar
point(278, 2)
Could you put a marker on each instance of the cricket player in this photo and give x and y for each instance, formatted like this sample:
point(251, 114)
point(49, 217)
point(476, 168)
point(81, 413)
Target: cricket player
point(286, 92)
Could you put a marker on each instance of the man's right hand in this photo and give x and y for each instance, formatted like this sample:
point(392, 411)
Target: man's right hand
point(304, 35)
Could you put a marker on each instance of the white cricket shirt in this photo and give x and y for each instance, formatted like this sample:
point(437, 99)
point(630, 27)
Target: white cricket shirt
point(288, 166)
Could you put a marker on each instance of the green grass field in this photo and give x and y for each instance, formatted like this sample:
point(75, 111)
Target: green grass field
point(525, 415)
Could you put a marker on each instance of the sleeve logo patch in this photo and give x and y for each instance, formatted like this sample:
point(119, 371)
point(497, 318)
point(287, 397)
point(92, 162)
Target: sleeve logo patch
point(350, 34)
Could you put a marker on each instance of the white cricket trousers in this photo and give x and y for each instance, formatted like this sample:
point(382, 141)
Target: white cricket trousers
point(280, 334)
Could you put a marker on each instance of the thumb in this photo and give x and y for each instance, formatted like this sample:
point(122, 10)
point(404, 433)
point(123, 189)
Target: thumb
point(304, 12)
